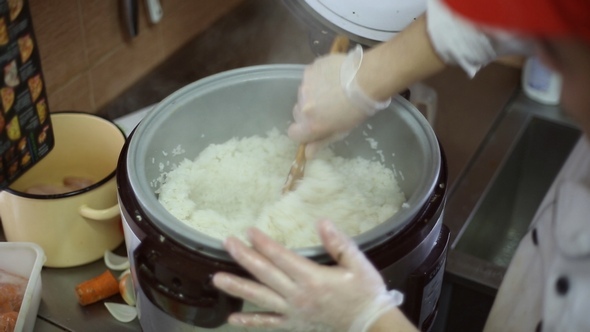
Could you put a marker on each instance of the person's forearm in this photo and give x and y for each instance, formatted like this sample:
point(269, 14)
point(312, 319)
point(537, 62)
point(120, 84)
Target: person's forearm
point(392, 321)
point(392, 66)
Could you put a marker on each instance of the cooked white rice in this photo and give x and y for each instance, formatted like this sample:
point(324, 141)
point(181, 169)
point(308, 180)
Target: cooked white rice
point(232, 186)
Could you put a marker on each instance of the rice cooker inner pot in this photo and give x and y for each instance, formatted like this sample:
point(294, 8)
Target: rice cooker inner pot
point(239, 103)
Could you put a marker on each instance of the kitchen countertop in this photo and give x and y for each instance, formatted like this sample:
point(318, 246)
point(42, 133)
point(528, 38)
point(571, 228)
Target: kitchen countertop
point(260, 32)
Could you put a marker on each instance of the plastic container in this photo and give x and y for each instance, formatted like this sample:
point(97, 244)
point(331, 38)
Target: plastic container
point(26, 260)
point(540, 83)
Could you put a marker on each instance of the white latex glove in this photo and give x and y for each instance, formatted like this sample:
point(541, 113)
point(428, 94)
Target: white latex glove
point(302, 295)
point(330, 102)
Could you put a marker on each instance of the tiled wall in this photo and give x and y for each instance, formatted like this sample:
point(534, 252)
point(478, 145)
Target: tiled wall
point(87, 57)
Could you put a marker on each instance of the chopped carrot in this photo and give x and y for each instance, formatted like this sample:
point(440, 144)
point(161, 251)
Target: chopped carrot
point(98, 288)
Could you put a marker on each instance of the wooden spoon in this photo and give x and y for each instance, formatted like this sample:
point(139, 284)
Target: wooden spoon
point(340, 44)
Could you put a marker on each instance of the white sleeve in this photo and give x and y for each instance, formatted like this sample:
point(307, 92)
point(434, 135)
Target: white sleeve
point(459, 42)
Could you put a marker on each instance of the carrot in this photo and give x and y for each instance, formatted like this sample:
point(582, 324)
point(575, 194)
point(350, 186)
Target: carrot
point(98, 288)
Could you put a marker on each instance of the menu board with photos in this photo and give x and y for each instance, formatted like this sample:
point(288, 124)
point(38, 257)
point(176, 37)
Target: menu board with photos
point(25, 126)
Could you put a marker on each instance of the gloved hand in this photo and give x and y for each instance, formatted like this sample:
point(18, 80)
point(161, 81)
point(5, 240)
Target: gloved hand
point(302, 295)
point(330, 103)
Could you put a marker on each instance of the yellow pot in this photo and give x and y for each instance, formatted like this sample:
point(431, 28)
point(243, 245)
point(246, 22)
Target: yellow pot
point(74, 228)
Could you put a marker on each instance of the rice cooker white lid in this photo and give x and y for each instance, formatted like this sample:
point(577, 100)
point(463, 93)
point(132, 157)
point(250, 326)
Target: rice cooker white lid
point(372, 19)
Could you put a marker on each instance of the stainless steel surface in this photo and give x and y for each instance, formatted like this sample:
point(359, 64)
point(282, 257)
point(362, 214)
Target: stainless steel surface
point(60, 307)
point(263, 31)
point(129, 14)
point(509, 205)
point(42, 325)
point(492, 204)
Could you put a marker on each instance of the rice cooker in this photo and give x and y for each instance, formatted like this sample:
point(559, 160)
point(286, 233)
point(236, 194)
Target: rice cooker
point(172, 264)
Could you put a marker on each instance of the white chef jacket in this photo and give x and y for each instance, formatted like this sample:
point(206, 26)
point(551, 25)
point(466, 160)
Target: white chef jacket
point(460, 42)
point(547, 284)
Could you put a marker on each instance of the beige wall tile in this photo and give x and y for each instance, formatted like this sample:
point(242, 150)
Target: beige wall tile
point(60, 39)
point(120, 69)
point(190, 18)
point(106, 32)
point(76, 95)
point(86, 54)
point(102, 27)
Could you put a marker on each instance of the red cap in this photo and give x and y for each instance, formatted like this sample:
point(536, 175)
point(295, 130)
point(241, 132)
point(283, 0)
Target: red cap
point(537, 18)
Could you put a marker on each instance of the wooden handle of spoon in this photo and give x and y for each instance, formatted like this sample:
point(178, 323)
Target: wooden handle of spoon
point(297, 169)
point(339, 45)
